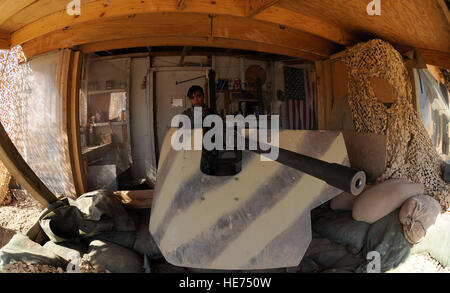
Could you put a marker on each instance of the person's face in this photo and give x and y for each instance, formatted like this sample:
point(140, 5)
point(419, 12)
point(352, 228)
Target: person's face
point(197, 99)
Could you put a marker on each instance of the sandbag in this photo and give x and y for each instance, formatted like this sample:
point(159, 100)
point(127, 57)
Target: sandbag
point(417, 215)
point(339, 227)
point(107, 256)
point(100, 204)
point(145, 244)
point(163, 267)
point(329, 250)
point(385, 236)
point(21, 248)
point(382, 199)
point(325, 256)
point(65, 253)
point(96, 215)
point(343, 201)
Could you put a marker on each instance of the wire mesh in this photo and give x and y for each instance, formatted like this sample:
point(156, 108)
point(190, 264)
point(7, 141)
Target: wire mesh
point(31, 111)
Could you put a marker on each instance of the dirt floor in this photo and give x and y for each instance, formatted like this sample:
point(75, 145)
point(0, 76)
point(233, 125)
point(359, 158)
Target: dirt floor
point(24, 211)
point(19, 216)
point(420, 263)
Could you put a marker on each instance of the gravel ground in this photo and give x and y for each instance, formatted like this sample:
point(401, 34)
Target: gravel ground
point(19, 216)
point(24, 211)
point(21, 267)
point(420, 263)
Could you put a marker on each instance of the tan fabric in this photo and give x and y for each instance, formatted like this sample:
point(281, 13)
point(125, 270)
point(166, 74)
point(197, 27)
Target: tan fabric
point(384, 198)
point(343, 201)
point(417, 215)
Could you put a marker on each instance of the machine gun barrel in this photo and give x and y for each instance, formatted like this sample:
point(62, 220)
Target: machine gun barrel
point(339, 176)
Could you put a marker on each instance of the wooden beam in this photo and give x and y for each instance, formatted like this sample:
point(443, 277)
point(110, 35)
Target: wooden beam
point(136, 199)
point(63, 82)
point(445, 9)
point(437, 58)
point(5, 40)
point(10, 8)
point(336, 23)
point(307, 24)
point(93, 153)
point(96, 10)
point(170, 29)
point(256, 6)
point(114, 28)
point(192, 41)
point(36, 10)
point(248, 29)
point(74, 139)
point(20, 170)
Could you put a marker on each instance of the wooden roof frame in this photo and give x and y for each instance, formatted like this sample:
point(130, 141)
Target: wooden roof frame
point(311, 30)
point(5, 39)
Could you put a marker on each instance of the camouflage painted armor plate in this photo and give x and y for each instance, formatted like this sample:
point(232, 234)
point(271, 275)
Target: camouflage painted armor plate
point(257, 219)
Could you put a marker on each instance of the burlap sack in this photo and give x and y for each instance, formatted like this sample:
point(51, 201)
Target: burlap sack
point(382, 199)
point(417, 215)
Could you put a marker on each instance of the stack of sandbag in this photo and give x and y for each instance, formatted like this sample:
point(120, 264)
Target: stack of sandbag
point(418, 212)
point(345, 200)
point(390, 218)
point(378, 200)
point(384, 198)
point(342, 244)
point(94, 229)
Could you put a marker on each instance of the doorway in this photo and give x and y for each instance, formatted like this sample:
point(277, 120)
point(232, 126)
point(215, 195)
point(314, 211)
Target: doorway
point(172, 86)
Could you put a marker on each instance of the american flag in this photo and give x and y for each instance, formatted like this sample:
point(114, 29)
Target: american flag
point(302, 111)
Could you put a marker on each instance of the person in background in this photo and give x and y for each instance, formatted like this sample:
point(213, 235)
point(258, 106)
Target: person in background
point(196, 96)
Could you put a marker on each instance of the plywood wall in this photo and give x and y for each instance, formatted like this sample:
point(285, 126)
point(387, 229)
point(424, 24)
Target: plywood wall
point(333, 89)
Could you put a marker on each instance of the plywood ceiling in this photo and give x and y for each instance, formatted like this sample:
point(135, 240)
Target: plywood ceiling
point(417, 23)
point(309, 29)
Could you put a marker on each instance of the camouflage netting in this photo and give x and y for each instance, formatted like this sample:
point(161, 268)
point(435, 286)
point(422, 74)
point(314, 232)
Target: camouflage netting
point(8, 70)
point(410, 152)
point(446, 75)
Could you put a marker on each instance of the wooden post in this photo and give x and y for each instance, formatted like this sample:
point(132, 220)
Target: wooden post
point(22, 172)
point(74, 142)
point(320, 96)
point(63, 85)
point(69, 69)
point(324, 92)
